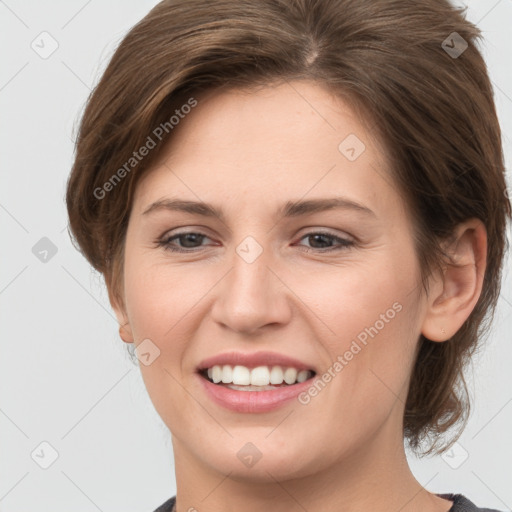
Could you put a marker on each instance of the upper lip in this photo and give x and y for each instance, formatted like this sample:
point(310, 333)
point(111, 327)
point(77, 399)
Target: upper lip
point(252, 360)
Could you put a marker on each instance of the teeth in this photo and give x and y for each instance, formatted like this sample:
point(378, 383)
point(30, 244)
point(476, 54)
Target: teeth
point(276, 375)
point(217, 374)
point(241, 376)
point(259, 376)
point(227, 374)
point(290, 375)
point(302, 376)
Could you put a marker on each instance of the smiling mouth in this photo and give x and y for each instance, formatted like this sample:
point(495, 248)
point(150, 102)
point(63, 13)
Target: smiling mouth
point(261, 378)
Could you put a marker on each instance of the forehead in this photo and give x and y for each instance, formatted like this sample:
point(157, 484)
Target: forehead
point(279, 142)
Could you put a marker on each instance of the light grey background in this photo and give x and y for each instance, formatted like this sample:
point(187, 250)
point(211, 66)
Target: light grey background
point(65, 376)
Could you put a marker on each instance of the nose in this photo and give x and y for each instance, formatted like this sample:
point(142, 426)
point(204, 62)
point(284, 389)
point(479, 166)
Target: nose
point(251, 296)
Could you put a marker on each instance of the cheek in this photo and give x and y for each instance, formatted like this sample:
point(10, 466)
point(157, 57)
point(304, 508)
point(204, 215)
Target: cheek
point(375, 299)
point(159, 298)
point(157, 308)
point(369, 326)
point(366, 383)
point(159, 302)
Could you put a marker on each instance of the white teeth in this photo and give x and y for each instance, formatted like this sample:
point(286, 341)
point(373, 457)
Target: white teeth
point(276, 375)
point(302, 376)
point(216, 374)
point(290, 375)
point(260, 376)
point(227, 374)
point(241, 376)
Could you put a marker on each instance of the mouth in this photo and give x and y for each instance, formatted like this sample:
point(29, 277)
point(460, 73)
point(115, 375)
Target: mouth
point(256, 382)
point(254, 390)
point(259, 378)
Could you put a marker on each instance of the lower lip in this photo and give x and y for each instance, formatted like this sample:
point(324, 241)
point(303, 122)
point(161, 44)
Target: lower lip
point(253, 401)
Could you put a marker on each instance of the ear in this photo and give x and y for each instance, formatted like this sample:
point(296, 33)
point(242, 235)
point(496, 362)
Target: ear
point(116, 301)
point(453, 295)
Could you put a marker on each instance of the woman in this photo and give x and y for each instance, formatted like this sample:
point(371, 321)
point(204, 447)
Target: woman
point(299, 208)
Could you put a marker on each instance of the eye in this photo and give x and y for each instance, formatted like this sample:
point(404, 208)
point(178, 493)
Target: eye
point(189, 240)
point(323, 238)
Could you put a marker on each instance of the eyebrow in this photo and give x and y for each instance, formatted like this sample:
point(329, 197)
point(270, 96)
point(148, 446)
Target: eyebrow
point(288, 210)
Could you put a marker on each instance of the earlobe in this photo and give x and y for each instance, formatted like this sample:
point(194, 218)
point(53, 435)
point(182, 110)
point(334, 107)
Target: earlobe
point(453, 296)
point(125, 331)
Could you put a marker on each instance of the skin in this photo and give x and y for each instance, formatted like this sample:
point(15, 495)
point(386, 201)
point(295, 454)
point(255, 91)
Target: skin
point(248, 153)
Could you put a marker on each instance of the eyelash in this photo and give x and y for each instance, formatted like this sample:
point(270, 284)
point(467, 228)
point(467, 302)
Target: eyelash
point(165, 242)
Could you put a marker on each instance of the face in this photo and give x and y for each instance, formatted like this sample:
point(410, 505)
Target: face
point(273, 273)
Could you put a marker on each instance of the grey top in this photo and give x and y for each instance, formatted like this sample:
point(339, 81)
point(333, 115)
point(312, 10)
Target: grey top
point(460, 504)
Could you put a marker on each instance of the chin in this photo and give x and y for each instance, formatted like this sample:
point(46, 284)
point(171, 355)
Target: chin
point(245, 462)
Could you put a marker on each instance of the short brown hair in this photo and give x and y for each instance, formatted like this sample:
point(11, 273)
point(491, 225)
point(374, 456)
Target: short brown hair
point(395, 61)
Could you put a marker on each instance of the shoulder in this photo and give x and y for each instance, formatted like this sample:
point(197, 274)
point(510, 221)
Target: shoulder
point(462, 504)
point(167, 506)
